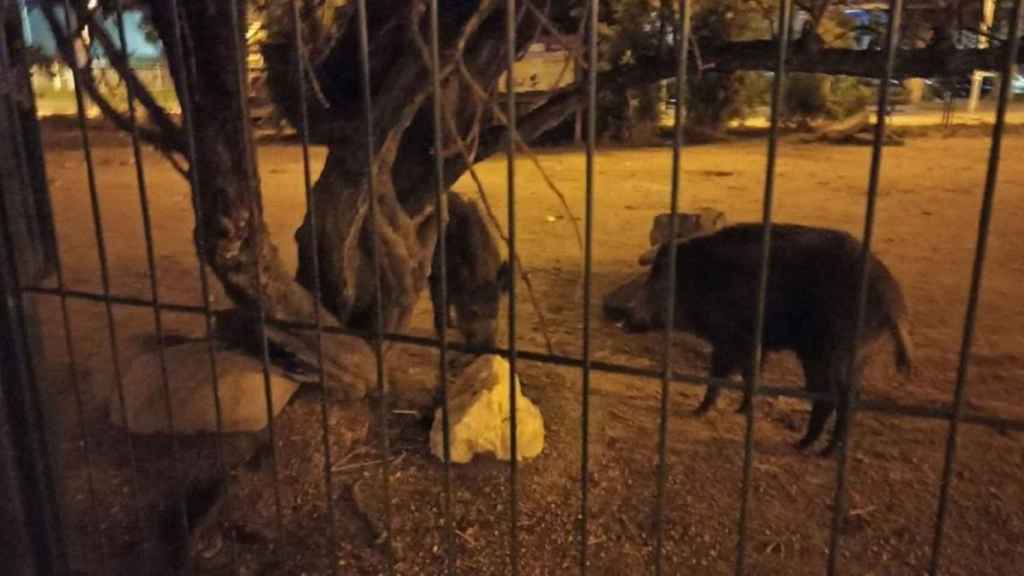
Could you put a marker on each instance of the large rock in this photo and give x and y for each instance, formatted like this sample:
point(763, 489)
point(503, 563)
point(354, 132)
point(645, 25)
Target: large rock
point(479, 416)
point(241, 390)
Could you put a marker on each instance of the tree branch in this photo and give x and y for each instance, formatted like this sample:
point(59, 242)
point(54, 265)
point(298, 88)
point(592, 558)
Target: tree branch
point(119, 59)
point(540, 120)
point(760, 55)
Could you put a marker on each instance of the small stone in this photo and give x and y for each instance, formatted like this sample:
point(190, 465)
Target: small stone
point(240, 383)
point(479, 416)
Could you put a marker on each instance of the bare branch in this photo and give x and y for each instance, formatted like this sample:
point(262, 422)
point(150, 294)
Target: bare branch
point(525, 149)
point(405, 80)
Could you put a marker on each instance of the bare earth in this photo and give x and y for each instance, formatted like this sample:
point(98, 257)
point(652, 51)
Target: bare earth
point(926, 229)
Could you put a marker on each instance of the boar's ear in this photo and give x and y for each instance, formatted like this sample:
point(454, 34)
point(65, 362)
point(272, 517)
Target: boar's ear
point(504, 276)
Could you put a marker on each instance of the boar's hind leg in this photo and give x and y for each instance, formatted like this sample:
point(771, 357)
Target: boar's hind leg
point(748, 377)
point(710, 399)
point(817, 376)
point(723, 364)
point(820, 412)
point(846, 384)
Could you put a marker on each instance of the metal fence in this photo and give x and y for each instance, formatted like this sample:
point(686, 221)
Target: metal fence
point(26, 414)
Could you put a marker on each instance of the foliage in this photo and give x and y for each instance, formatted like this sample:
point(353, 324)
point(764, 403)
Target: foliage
point(806, 97)
point(637, 29)
point(641, 29)
point(714, 99)
point(810, 97)
point(629, 31)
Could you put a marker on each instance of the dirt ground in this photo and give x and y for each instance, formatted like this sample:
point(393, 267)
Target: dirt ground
point(926, 229)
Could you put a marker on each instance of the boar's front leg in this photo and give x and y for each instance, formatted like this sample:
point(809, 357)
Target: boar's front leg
point(723, 363)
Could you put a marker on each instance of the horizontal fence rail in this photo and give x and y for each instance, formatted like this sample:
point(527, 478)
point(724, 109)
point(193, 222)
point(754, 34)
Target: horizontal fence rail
point(883, 407)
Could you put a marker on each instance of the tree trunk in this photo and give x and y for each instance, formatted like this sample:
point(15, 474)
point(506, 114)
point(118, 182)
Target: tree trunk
point(345, 251)
point(231, 234)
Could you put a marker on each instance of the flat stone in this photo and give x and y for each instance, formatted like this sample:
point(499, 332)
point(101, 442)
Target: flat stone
point(241, 390)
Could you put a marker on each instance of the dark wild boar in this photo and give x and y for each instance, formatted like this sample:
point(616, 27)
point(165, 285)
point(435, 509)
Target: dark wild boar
point(810, 309)
point(476, 274)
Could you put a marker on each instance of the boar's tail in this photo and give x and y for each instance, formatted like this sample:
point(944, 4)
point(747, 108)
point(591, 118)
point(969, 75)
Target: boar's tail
point(904, 345)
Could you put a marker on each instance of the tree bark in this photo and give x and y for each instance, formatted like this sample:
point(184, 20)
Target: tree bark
point(344, 237)
point(232, 237)
point(404, 181)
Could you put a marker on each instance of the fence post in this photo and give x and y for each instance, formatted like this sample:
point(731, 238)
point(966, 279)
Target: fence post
point(27, 432)
point(27, 427)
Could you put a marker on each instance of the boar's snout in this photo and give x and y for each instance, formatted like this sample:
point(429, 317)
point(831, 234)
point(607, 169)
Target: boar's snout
point(639, 317)
point(480, 334)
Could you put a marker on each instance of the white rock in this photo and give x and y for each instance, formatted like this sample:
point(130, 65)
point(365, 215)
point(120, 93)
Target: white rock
point(241, 390)
point(479, 416)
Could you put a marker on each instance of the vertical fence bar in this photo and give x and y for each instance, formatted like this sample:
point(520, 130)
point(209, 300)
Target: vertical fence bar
point(140, 177)
point(991, 177)
point(37, 485)
point(752, 373)
point(25, 123)
point(510, 93)
point(25, 408)
point(185, 99)
point(18, 130)
point(441, 211)
point(154, 281)
point(151, 261)
point(588, 267)
point(20, 553)
point(238, 34)
point(682, 46)
point(104, 267)
point(300, 66)
point(845, 425)
point(378, 332)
